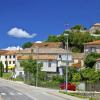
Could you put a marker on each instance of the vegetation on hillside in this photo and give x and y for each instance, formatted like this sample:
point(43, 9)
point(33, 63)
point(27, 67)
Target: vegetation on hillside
point(77, 37)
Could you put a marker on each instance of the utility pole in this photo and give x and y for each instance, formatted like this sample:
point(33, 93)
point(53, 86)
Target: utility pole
point(37, 51)
point(67, 65)
point(67, 60)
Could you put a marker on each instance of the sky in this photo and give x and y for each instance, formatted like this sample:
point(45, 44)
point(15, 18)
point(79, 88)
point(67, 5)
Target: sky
point(34, 20)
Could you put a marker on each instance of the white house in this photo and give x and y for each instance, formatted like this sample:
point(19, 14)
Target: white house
point(92, 47)
point(94, 28)
point(8, 59)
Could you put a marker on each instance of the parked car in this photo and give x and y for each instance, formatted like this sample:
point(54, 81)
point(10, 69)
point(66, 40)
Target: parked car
point(70, 86)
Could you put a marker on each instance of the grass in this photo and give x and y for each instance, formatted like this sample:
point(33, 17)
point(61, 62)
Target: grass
point(74, 94)
point(80, 96)
point(6, 75)
point(92, 99)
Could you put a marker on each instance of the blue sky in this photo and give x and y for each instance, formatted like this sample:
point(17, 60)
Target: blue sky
point(40, 18)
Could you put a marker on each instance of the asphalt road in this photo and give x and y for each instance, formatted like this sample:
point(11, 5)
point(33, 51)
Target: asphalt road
point(8, 93)
point(18, 91)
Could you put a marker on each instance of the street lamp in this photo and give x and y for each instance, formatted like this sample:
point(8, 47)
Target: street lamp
point(66, 62)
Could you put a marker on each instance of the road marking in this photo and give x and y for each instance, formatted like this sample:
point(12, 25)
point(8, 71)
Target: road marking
point(19, 93)
point(11, 93)
point(3, 93)
point(45, 93)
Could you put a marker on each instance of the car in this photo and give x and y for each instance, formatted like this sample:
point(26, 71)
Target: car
point(70, 86)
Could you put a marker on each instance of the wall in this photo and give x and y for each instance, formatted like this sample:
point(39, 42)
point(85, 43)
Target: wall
point(46, 66)
point(3, 59)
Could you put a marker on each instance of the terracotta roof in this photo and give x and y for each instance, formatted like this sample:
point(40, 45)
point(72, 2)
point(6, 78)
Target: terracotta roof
point(48, 44)
point(39, 57)
point(3, 52)
point(42, 51)
point(98, 59)
point(94, 42)
point(10, 52)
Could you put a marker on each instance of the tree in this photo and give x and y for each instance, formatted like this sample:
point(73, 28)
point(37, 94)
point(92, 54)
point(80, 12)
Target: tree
point(78, 27)
point(77, 39)
point(1, 69)
point(52, 38)
point(90, 59)
point(76, 77)
point(27, 45)
point(30, 68)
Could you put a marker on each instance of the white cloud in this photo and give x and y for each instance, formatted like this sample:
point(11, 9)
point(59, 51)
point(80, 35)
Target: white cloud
point(20, 33)
point(38, 42)
point(13, 48)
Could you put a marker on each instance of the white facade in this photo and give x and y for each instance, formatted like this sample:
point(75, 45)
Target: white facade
point(49, 66)
point(19, 69)
point(91, 48)
point(8, 60)
point(97, 66)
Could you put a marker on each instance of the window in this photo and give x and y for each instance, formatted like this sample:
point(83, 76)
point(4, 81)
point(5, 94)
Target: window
point(5, 62)
point(9, 56)
point(13, 56)
point(49, 64)
point(9, 62)
point(98, 66)
point(13, 62)
point(59, 56)
point(93, 49)
point(6, 56)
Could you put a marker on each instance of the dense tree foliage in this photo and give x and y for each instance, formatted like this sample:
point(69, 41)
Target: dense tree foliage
point(90, 75)
point(30, 69)
point(27, 45)
point(77, 39)
point(1, 69)
point(90, 59)
point(78, 27)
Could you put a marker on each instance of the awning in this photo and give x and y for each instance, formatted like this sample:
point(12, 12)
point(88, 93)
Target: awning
point(11, 67)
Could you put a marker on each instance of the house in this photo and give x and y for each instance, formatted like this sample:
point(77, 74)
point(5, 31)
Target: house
point(8, 59)
point(94, 28)
point(53, 59)
point(92, 47)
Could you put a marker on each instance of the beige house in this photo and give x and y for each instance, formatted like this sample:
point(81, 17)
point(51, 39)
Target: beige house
point(94, 27)
point(78, 60)
point(92, 47)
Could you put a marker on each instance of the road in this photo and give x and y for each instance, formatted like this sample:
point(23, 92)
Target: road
point(18, 91)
